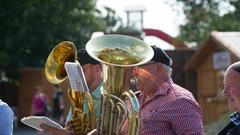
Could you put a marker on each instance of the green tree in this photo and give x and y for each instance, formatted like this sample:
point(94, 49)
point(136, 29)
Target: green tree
point(204, 16)
point(31, 28)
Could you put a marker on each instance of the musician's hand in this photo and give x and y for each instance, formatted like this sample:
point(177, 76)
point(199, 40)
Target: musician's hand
point(69, 127)
point(54, 131)
point(74, 126)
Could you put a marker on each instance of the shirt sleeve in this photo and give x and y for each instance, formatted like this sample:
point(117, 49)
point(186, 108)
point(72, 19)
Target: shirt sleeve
point(69, 115)
point(186, 117)
point(6, 120)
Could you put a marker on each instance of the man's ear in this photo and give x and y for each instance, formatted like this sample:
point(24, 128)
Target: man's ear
point(159, 67)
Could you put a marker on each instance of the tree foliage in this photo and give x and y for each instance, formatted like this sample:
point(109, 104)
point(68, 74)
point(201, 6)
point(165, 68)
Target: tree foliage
point(31, 28)
point(204, 16)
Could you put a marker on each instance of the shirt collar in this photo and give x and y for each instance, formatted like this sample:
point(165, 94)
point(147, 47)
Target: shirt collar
point(164, 88)
point(96, 93)
point(235, 118)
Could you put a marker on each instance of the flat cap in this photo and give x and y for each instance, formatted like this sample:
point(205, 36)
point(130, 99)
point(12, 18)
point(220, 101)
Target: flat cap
point(83, 58)
point(161, 56)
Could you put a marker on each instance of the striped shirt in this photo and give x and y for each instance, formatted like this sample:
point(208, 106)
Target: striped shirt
point(235, 118)
point(171, 111)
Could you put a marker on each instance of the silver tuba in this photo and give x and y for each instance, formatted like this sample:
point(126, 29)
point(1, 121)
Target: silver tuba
point(118, 55)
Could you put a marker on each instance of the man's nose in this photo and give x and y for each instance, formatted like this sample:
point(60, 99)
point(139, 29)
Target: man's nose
point(135, 71)
point(225, 91)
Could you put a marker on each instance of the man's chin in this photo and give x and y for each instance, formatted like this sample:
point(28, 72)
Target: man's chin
point(232, 109)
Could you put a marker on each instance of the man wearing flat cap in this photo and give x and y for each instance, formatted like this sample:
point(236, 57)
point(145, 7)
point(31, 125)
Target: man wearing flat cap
point(166, 108)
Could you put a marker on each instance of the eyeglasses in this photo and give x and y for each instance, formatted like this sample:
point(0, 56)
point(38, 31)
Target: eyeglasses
point(140, 67)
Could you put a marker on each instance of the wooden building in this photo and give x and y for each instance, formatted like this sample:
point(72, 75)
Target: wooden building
point(209, 63)
point(180, 76)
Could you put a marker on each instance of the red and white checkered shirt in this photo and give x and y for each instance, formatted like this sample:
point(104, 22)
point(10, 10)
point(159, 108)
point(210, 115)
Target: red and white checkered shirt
point(172, 111)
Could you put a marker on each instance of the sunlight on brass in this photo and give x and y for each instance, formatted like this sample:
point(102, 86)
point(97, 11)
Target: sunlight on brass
point(54, 66)
point(117, 56)
point(79, 117)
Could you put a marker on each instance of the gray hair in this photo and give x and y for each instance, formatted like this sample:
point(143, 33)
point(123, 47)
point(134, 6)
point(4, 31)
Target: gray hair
point(236, 66)
point(168, 69)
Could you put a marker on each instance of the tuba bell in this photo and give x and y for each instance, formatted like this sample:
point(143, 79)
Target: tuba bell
point(65, 55)
point(118, 55)
point(54, 66)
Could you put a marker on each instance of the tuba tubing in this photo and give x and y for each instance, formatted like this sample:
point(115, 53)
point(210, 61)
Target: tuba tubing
point(115, 108)
point(118, 55)
point(56, 72)
point(134, 119)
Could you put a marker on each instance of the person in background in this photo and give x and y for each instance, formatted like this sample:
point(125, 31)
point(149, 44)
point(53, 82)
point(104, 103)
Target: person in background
point(39, 103)
point(6, 119)
point(166, 108)
point(58, 105)
point(92, 71)
point(231, 91)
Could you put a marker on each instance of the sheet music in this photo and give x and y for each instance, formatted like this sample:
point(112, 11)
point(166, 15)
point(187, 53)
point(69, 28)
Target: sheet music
point(35, 121)
point(76, 76)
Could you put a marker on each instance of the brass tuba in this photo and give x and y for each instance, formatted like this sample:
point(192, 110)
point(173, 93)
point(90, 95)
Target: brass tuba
point(118, 55)
point(66, 53)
